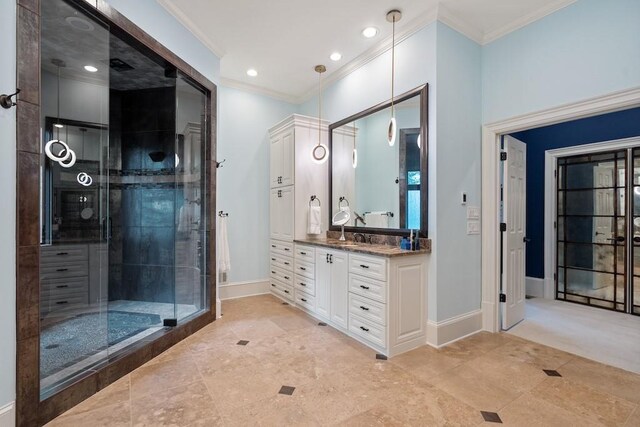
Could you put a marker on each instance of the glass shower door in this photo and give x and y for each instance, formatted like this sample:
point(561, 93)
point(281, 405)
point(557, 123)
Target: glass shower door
point(74, 190)
point(634, 296)
point(190, 200)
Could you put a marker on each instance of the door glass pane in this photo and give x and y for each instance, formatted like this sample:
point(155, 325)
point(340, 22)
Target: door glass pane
point(74, 257)
point(591, 232)
point(191, 199)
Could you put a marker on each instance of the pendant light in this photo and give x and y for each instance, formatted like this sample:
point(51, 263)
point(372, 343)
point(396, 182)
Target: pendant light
point(393, 16)
point(66, 157)
point(354, 155)
point(320, 152)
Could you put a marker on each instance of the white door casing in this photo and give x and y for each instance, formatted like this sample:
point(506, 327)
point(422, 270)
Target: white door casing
point(515, 194)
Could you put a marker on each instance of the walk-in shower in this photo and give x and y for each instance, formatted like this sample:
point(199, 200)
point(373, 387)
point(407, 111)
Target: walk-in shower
point(122, 195)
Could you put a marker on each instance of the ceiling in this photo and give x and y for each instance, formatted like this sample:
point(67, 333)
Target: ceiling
point(284, 39)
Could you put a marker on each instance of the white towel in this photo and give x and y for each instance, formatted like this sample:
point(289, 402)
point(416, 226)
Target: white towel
point(378, 219)
point(224, 261)
point(315, 220)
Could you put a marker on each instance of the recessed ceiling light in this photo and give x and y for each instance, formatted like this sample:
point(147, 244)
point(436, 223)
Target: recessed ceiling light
point(58, 125)
point(336, 56)
point(370, 32)
point(251, 72)
point(90, 68)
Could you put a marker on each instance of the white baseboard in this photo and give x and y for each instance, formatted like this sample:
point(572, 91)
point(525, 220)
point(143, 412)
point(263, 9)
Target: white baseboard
point(534, 287)
point(448, 331)
point(244, 289)
point(8, 415)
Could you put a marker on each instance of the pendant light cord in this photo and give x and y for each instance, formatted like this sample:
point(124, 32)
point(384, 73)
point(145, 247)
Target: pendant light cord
point(319, 107)
point(393, 64)
point(58, 121)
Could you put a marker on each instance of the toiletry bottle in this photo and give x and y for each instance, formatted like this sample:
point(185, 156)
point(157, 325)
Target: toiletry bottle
point(411, 240)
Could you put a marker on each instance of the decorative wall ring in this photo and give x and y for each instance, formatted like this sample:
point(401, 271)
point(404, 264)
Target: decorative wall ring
point(71, 162)
point(84, 179)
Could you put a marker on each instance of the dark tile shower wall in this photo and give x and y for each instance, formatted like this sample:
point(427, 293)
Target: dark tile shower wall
point(142, 196)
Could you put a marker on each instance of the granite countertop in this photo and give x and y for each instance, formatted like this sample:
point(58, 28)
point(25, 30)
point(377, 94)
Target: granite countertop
point(364, 248)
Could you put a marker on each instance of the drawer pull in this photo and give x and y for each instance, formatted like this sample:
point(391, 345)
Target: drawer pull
point(303, 269)
point(364, 287)
point(286, 263)
point(62, 286)
point(287, 277)
point(303, 284)
point(287, 249)
point(364, 308)
point(286, 291)
point(273, 259)
point(302, 299)
point(62, 269)
point(364, 266)
point(62, 253)
point(303, 253)
point(273, 285)
point(273, 246)
point(273, 272)
point(364, 329)
point(62, 302)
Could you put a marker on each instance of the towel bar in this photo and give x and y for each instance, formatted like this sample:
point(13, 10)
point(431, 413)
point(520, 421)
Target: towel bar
point(316, 199)
point(222, 214)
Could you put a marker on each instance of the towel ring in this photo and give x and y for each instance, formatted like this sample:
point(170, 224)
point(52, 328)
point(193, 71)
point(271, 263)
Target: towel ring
point(343, 199)
point(316, 199)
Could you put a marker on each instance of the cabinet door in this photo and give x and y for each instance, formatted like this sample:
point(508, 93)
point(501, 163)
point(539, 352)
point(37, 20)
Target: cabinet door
point(339, 288)
point(288, 158)
point(274, 214)
point(275, 171)
point(323, 283)
point(286, 213)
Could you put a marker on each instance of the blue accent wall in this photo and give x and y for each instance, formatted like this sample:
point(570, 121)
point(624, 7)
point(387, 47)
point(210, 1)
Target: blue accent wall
point(607, 127)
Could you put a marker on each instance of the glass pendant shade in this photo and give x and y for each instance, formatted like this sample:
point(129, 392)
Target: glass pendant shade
point(391, 135)
point(419, 141)
point(354, 158)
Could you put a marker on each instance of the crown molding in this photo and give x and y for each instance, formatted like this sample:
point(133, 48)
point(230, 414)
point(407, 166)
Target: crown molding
point(526, 20)
point(462, 26)
point(192, 27)
point(246, 87)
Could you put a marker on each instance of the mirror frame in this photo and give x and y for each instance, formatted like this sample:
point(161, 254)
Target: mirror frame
point(423, 92)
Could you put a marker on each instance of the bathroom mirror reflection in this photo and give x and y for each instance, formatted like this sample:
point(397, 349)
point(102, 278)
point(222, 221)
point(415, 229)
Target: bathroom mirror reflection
point(383, 187)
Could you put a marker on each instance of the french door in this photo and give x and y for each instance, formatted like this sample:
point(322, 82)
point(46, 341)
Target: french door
point(598, 230)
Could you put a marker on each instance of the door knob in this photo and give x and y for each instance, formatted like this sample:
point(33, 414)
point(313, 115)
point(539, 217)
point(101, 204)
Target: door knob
point(617, 239)
point(526, 239)
point(636, 239)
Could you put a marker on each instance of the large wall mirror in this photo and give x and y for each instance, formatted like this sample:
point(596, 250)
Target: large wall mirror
point(383, 186)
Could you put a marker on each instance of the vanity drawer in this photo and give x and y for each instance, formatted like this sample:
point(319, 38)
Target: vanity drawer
point(283, 248)
point(370, 288)
point(282, 290)
point(305, 285)
point(305, 253)
point(368, 309)
point(64, 287)
point(281, 261)
point(305, 269)
point(64, 269)
point(63, 253)
point(283, 276)
point(64, 302)
point(373, 267)
point(306, 301)
point(368, 330)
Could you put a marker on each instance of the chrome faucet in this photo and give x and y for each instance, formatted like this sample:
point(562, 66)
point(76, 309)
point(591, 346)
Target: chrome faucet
point(359, 218)
point(356, 235)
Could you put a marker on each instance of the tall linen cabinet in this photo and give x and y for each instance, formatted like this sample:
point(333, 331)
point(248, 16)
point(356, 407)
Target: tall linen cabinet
point(293, 179)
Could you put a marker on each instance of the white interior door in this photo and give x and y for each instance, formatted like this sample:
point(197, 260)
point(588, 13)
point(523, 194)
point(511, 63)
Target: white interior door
point(515, 202)
point(602, 226)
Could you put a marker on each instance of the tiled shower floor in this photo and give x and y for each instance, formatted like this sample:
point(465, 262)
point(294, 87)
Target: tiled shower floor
point(293, 372)
point(72, 345)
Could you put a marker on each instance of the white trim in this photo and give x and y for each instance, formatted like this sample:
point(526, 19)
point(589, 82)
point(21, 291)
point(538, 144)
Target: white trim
point(298, 120)
point(491, 181)
point(244, 289)
point(246, 87)
point(192, 27)
point(535, 287)
point(550, 201)
point(462, 26)
point(525, 20)
point(456, 328)
point(7, 415)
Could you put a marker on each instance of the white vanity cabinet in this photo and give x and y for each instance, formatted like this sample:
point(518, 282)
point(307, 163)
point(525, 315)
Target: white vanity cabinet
point(294, 178)
point(332, 281)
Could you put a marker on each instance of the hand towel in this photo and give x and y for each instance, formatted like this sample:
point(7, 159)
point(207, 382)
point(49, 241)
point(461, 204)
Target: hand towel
point(224, 261)
point(315, 220)
point(377, 219)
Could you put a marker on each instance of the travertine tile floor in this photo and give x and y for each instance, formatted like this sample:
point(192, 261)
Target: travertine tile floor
point(209, 380)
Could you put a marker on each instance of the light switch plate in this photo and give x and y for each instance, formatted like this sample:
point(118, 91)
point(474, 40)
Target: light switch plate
point(473, 212)
point(473, 227)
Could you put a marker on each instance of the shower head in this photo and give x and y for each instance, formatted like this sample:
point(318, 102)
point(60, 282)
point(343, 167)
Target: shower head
point(157, 156)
